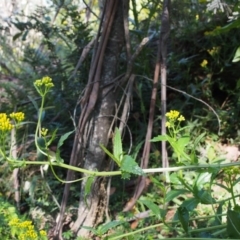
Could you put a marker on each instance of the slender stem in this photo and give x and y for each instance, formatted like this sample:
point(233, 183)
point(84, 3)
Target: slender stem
point(231, 190)
point(115, 173)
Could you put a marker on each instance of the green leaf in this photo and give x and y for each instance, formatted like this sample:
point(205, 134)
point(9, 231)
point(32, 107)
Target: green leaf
point(174, 193)
point(233, 24)
point(104, 228)
point(25, 35)
point(88, 186)
point(53, 136)
point(218, 219)
point(117, 145)
point(202, 179)
point(33, 101)
point(129, 166)
point(116, 160)
point(237, 56)
point(151, 205)
point(92, 229)
point(183, 141)
point(63, 138)
point(233, 226)
point(16, 36)
point(159, 138)
point(194, 157)
point(190, 204)
point(205, 197)
point(183, 216)
point(178, 148)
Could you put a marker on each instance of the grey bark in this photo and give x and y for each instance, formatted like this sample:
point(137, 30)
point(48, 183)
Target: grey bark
point(91, 209)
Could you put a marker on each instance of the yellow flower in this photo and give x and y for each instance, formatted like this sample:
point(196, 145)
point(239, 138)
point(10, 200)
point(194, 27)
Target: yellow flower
point(18, 116)
point(13, 222)
point(43, 233)
point(168, 124)
point(5, 124)
point(213, 51)
point(43, 85)
point(44, 132)
point(172, 115)
point(181, 118)
point(204, 63)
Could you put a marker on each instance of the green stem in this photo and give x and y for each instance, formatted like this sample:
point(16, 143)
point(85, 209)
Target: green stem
point(231, 191)
point(38, 128)
point(115, 173)
point(207, 228)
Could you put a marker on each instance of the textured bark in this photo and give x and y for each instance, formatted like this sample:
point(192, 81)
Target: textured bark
point(91, 209)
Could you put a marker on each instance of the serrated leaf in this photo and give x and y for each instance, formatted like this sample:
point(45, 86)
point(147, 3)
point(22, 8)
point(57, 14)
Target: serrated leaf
point(128, 165)
point(183, 216)
point(117, 145)
point(233, 226)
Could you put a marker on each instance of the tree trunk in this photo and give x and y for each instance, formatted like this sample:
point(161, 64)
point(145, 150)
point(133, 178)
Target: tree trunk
point(91, 208)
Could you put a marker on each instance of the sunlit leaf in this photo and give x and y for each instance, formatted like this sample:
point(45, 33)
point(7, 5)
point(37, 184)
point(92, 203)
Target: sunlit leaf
point(237, 56)
point(129, 166)
point(159, 138)
point(117, 145)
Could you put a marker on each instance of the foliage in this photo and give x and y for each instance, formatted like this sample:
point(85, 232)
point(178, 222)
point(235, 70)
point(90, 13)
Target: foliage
point(14, 226)
point(203, 62)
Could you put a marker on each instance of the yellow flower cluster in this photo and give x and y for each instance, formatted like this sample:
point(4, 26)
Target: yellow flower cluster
point(45, 81)
point(26, 229)
point(232, 171)
point(43, 233)
point(43, 85)
point(204, 63)
point(44, 132)
point(18, 116)
point(5, 124)
point(213, 51)
point(173, 116)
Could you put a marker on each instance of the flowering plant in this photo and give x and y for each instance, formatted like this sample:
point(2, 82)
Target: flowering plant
point(177, 140)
